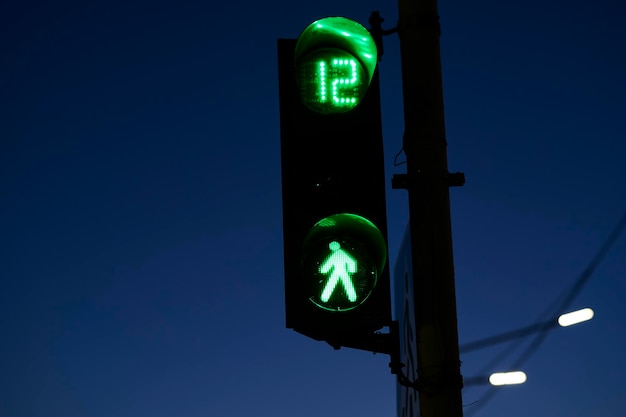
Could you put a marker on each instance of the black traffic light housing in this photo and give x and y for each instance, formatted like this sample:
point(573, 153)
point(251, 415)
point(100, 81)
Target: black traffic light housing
point(332, 169)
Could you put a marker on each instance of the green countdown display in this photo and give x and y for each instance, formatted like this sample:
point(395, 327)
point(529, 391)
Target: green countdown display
point(343, 256)
point(335, 59)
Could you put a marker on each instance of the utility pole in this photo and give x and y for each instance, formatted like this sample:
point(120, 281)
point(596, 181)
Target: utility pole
point(427, 181)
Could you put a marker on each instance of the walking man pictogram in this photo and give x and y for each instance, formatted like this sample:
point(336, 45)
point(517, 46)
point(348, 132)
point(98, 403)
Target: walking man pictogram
point(340, 265)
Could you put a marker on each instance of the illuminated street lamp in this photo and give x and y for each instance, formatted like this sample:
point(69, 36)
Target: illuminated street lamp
point(507, 378)
point(575, 317)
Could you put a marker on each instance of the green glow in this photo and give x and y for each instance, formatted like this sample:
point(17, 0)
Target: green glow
point(343, 255)
point(331, 81)
point(340, 83)
point(322, 82)
point(335, 60)
point(340, 265)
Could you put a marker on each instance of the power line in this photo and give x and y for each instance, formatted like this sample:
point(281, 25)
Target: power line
point(566, 302)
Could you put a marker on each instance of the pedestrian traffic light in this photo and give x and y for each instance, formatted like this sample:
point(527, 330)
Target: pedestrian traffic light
point(341, 258)
point(333, 183)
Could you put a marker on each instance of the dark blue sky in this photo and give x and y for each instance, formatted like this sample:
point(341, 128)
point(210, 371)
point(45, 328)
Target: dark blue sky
point(140, 207)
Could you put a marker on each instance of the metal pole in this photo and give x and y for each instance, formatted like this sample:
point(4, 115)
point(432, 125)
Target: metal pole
point(427, 181)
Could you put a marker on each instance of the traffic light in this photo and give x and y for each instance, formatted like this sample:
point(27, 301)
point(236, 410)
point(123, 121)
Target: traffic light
point(333, 183)
point(335, 59)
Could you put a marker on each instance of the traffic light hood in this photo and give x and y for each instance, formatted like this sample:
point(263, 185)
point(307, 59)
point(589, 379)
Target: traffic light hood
point(339, 33)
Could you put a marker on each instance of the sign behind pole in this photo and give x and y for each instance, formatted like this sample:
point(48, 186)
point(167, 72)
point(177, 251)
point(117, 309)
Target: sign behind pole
point(407, 397)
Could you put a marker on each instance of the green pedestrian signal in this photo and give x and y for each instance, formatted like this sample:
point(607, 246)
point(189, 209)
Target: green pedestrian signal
point(343, 256)
point(342, 266)
point(335, 59)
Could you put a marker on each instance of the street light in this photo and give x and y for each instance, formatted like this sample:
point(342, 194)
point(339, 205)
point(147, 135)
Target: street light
point(507, 378)
point(575, 317)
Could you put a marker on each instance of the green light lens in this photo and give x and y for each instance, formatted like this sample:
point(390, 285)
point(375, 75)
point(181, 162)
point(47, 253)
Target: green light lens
point(343, 256)
point(335, 60)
